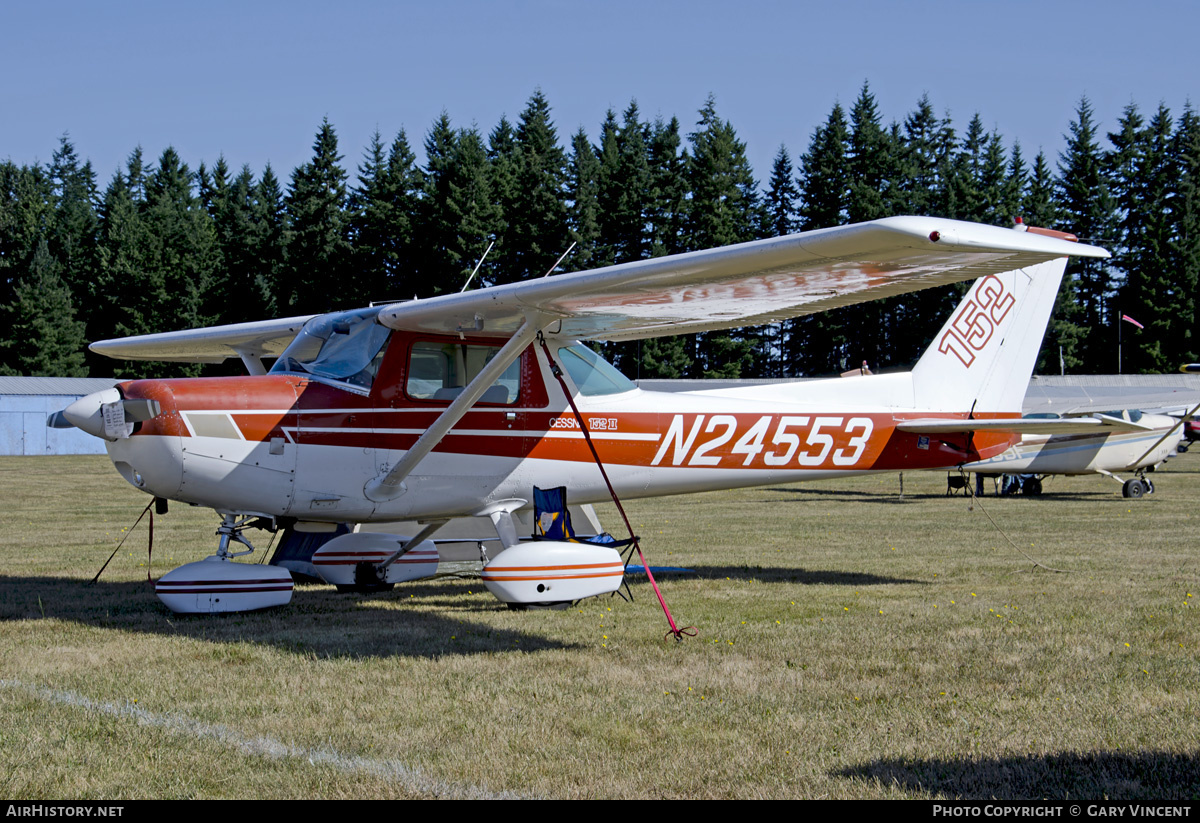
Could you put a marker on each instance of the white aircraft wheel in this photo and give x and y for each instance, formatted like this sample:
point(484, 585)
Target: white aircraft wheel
point(1149, 487)
point(1133, 489)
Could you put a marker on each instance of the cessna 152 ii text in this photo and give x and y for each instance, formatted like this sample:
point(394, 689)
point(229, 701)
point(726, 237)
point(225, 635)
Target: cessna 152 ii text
point(452, 406)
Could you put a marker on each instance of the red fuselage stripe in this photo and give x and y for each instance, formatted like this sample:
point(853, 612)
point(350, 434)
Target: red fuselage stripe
point(227, 590)
point(353, 562)
point(551, 577)
point(568, 568)
point(269, 581)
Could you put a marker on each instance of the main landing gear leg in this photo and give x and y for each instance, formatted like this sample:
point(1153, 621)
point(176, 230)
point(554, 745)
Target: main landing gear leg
point(1149, 484)
point(368, 579)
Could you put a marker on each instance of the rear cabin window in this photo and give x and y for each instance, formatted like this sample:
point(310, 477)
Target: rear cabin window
point(591, 373)
point(440, 371)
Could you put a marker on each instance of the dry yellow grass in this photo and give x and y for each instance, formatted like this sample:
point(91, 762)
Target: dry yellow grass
point(851, 645)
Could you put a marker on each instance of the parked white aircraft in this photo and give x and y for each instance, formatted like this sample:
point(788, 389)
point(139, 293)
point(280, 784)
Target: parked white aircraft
point(1105, 453)
point(453, 406)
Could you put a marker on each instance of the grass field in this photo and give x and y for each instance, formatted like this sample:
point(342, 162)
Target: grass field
point(851, 644)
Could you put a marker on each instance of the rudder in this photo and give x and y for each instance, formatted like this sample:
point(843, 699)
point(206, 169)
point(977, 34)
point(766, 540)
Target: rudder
point(982, 358)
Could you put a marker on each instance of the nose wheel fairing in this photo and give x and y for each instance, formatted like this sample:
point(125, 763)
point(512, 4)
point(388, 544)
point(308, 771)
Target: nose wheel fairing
point(217, 584)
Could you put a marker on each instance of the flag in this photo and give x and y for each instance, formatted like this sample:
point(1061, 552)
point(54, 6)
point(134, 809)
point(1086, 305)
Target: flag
point(1129, 319)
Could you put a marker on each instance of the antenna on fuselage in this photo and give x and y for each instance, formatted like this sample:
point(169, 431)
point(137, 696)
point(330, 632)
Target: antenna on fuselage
point(559, 260)
point(477, 265)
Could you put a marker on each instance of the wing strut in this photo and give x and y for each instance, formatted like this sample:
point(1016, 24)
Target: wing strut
point(391, 485)
point(422, 535)
point(556, 370)
point(1170, 432)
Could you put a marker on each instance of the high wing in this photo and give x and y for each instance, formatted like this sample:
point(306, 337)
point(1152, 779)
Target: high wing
point(745, 284)
point(1167, 394)
point(265, 338)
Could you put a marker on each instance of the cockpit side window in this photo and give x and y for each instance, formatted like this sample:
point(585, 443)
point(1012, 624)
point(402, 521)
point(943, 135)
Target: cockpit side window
point(344, 349)
point(440, 371)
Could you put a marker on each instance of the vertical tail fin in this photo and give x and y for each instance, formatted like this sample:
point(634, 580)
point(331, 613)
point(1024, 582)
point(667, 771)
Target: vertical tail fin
point(984, 355)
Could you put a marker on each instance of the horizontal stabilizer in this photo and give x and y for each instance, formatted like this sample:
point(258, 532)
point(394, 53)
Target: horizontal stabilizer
point(1098, 424)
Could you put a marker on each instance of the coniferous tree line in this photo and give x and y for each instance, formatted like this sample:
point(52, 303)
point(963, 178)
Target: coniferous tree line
point(163, 246)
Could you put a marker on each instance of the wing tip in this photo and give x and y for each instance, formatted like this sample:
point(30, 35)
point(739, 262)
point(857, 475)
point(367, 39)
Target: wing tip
point(944, 231)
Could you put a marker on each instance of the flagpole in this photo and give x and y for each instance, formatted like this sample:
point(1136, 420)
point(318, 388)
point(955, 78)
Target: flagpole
point(1124, 318)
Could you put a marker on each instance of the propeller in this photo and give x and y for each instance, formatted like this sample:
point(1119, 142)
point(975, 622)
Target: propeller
point(104, 414)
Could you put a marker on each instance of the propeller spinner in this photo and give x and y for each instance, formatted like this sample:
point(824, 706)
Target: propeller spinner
point(104, 414)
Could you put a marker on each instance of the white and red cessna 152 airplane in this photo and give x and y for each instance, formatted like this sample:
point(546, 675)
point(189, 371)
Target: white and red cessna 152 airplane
point(450, 406)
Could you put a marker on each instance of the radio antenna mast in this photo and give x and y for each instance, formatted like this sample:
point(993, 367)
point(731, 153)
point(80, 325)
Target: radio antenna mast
point(559, 260)
point(477, 265)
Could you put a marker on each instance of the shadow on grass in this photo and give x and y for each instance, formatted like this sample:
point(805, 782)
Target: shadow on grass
point(850, 494)
point(1047, 496)
point(1147, 775)
point(791, 574)
point(318, 621)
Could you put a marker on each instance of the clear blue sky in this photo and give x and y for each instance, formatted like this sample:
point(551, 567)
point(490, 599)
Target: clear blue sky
point(253, 80)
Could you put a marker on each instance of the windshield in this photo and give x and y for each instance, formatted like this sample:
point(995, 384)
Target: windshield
point(1132, 415)
point(591, 373)
point(344, 348)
